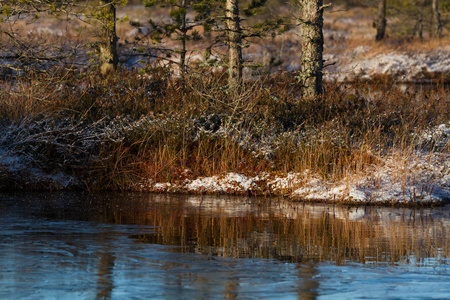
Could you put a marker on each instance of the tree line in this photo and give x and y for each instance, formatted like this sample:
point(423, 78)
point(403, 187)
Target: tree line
point(410, 11)
point(229, 24)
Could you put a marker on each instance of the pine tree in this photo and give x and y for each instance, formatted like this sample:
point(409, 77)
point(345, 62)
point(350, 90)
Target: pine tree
point(234, 34)
point(311, 20)
point(240, 31)
point(106, 15)
point(381, 20)
point(28, 51)
point(437, 32)
point(101, 14)
point(180, 28)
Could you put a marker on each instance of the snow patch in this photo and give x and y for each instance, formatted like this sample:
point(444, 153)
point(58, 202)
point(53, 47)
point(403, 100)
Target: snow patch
point(404, 66)
point(230, 183)
point(437, 136)
point(420, 177)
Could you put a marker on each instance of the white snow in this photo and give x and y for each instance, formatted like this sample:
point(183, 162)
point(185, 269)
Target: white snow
point(439, 135)
point(420, 175)
point(403, 66)
point(423, 179)
point(230, 183)
point(283, 184)
point(416, 177)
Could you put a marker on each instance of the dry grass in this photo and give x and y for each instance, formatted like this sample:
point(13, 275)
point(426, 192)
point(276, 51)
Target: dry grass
point(152, 125)
point(160, 128)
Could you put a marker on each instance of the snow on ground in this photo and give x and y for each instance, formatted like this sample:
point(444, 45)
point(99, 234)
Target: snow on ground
point(439, 136)
point(406, 67)
point(421, 178)
point(231, 182)
point(356, 64)
point(417, 177)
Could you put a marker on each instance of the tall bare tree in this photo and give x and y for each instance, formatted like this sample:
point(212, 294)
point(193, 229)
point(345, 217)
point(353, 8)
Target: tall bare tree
point(381, 20)
point(437, 28)
point(234, 42)
point(311, 20)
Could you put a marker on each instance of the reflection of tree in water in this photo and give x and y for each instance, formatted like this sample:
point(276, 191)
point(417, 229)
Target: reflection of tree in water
point(308, 284)
point(105, 269)
point(232, 288)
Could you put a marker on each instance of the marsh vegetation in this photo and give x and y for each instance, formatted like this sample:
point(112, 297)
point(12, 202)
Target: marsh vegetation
point(146, 126)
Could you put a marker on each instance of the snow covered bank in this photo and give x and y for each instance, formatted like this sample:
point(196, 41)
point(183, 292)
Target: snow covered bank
point(422, 179)
point(418, 176)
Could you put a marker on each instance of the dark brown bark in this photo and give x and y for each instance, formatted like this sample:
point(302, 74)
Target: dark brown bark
point(381, 20)
point(420, 28)
point(234, 43)
point(437, 25)
point(312, 47)
point(109, 57)
point(184, 4)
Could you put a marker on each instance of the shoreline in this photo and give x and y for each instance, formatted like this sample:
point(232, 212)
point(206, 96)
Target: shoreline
point(294, 187)
point(219, 153)
point(287, 198)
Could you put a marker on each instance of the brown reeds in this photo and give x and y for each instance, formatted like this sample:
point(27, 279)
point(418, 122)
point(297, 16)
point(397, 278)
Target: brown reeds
point(128, 127)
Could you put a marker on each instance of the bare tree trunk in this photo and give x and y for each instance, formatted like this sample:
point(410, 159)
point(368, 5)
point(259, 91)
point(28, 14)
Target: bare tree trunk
point(234, 43)
point(312, 47)
point(109, 57)
point(420, 27)
point(183, 29)
point(437, 32)
point(381, 20)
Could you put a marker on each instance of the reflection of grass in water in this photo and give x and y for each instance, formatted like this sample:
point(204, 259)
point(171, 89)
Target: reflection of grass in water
point(316, 238)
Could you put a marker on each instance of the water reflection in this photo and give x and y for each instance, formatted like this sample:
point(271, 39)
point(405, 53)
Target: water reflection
point(114, 246)
point(266, 228)
point(105, 270)
point(277, 229)
point(308, 283)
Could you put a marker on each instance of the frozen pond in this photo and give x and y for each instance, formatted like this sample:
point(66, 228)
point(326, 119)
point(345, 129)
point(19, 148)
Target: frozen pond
point(146, 246)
